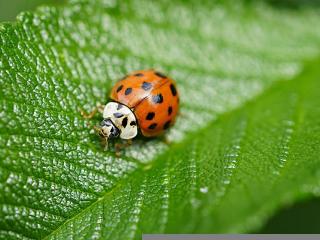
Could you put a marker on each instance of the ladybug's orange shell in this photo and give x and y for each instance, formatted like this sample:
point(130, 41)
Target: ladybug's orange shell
point(153, 98)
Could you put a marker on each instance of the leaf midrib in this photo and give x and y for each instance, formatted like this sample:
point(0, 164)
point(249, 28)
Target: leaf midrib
point(150, 164)
point(109, 192)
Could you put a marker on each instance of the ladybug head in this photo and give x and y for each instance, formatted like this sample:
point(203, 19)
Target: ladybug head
point(108, 129)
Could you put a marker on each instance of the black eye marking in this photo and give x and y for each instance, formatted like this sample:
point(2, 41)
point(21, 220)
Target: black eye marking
point(157, 98)
point(173, 89)
point(118, 115)
point(150, 115)
point(124, 122)
point(166, 125)
point(152, 126)
point(128, 91)
point(159, 74)
point(119, 106)
point(146, 86)
point(169, 110)
point(119, 88)
point(133, 123)
point(138, 74)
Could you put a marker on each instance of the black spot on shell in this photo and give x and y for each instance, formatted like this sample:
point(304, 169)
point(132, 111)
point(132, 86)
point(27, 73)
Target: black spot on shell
point(119, 88)
point(124, 122)
point(159, 74)
point(166, 125)
point(118, 115)
point(169, 110)
point(133, 123)
point(157, 98)
point(119, 106)
point(173, 90)
point(146, 86)
point(138, 74)
point(128, 91)
point(150, 115)
point(152, 126)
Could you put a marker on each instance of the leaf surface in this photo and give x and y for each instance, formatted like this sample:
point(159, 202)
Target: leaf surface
point(231, 163)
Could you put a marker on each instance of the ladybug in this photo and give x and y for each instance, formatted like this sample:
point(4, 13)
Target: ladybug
point(145, 101)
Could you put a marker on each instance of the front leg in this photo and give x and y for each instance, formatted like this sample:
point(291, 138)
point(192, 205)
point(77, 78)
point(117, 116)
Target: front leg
point(104, 140)
point(98, 108)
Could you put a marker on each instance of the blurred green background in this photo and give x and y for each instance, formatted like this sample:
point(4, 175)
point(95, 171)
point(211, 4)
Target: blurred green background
point(9, 9)
point(301, 217)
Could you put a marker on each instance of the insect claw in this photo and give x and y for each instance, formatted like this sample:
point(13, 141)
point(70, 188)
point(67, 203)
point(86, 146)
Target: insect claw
point(88, 115)
point(97, 129)
point(98, 108)
point(118, 154)
point(105, 148)
point(166, 140)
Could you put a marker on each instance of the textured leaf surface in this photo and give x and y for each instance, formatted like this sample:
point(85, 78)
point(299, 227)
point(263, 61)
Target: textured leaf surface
point(225, 171)
point(10, 9)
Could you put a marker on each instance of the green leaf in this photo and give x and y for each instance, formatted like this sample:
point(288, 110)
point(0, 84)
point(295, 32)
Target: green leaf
point(244, 145)
point(9, 9)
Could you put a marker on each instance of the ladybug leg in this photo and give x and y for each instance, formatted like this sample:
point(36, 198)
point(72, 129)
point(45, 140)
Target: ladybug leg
point(118, 154)
point(166, 140)
point(120, 146)
point(88, 115)
point(104, 141)
point(96, 129)
point(98, 108)
point(180, 114)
